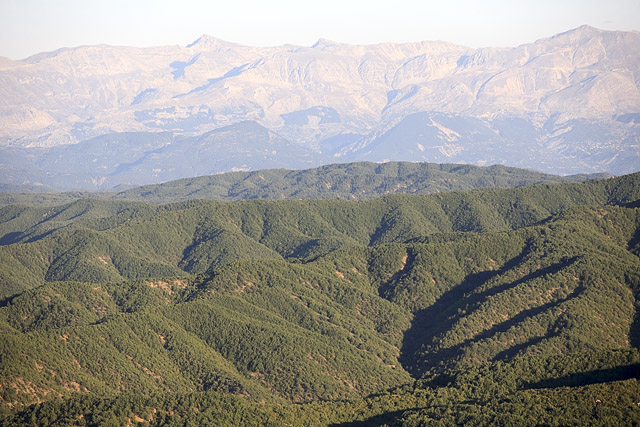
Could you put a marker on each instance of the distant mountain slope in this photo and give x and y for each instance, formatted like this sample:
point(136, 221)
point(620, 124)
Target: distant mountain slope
point(138, 158)
point(560, 146)
point(212, 83)
point(565, 104)
point(351, 181)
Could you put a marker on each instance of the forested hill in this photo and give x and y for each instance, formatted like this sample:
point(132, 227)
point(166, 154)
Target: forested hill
point(485, 307)
point(99, 240)
point(349, 181)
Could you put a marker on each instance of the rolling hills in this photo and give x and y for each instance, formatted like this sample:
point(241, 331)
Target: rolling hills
point(491, 306)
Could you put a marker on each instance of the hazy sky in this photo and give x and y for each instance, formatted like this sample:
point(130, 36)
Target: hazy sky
point(31, 26)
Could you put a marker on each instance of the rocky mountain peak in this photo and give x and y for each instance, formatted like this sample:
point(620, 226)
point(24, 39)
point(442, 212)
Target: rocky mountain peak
point(206, 42)
point(573, 96)
point(323, 44)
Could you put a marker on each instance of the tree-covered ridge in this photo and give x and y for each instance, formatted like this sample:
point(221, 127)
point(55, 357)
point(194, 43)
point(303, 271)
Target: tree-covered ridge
point(492, 307)
point(98, 240)
point(348, 181)
point(332, 328)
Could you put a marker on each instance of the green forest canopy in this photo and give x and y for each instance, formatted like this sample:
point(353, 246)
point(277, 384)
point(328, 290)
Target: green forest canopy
point(495, 306)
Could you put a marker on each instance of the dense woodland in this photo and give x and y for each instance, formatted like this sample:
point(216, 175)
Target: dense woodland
point(486, 307)
point(347, 181)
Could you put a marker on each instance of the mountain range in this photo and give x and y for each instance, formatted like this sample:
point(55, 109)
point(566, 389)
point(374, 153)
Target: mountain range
point(95, 117)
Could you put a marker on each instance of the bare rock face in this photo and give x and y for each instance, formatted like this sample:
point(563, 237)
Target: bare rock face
point(573, 97)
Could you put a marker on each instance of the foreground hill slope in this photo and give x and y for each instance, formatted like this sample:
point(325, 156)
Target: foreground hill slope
point(491, 307)
point(433, 306)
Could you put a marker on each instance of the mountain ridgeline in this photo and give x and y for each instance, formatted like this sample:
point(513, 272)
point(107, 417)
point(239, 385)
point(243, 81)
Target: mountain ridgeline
point(565, 104)
point(348, 181)
point(494, 306)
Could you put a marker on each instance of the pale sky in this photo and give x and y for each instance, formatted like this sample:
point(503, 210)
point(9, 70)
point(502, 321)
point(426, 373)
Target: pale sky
point(28, 27)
